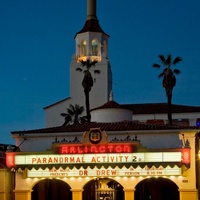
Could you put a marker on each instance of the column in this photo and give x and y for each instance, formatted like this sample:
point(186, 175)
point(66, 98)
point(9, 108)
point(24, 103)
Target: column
point(188, 194)
point(22, 194)
point(129, 194)
point(77, 194)
point(3, 184)
point(6, 184)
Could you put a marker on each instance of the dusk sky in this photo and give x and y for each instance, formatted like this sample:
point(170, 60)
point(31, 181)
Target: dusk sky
point(37, 43)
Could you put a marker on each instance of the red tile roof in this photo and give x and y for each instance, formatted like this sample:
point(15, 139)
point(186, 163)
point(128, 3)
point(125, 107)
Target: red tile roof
point(112, 126)
point(110, 104)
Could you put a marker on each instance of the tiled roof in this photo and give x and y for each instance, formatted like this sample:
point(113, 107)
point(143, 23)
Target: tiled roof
point(112, 126)
point(92, 25)
point(153, 108)
point(110, 104)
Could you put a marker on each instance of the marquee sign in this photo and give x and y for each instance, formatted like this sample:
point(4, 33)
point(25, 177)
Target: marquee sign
point(110, 172)
point(13, 159)
point(86, 149)
point(96, 156)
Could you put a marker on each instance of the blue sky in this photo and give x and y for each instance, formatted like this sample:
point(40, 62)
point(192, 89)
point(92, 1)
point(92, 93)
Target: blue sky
point(37, 43)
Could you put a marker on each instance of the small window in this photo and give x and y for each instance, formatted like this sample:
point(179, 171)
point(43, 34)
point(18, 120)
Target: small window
point(83, 48)
point(94, 47)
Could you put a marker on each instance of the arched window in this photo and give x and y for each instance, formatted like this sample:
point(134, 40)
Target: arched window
point(83, 48)
point(94, 47)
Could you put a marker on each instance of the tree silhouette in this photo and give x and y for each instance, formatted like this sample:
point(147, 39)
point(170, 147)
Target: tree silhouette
point(73, 115)
point(169, 78)
point(87, 82)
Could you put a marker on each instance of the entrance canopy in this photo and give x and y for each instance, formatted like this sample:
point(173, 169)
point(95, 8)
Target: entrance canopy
point(96, 152)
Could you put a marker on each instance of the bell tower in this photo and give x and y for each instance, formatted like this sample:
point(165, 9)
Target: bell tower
point(91, 40)
point(91, 44)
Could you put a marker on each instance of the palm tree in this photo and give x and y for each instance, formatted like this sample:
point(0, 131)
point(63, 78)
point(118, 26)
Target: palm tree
point(73, 115)
point(169, 78)
point(87, 83)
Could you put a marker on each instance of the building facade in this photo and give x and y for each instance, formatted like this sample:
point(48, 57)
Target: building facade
point(123, 154)
point(110, 161)
point(92, 45)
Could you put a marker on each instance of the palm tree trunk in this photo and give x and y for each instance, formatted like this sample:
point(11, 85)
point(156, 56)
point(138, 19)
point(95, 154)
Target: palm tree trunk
point(169, 101)
point(87, 105)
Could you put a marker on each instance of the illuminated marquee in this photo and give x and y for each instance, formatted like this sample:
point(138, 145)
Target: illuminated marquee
point(45, 159)
point(110, 172)
point(87, 149)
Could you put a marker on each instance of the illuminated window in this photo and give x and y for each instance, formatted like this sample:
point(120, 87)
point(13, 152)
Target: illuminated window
point(94, 47)
point(83, 48)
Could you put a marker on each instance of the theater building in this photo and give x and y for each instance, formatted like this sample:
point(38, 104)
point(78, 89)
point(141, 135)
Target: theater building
point(117, 156)
point(109, 161)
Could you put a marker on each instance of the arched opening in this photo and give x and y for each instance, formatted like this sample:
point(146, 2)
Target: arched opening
point(103, 189)
point(51, 189)
point(83, 48)
point(94, 47)
point(155, 189)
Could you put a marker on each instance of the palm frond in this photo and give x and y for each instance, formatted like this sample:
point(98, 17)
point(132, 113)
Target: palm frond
point(177, 60)
point(78, 109)
point(94, 62)
point(156, 65)
point(97, 71)
point(67, 118)
point(88, 64)
point(83, 63)
point(73, 114)
point(63, 114)
point(176, 71)
point(79, 69)
point(169, 60)
point(91, 64)
point(70, 111)
point(162, 59)
point(83, 119)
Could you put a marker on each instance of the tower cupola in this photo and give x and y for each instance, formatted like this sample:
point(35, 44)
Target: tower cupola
point(91, 40)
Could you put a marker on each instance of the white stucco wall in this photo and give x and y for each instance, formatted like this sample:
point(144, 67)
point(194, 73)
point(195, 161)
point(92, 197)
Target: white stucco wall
point(111, 115)
point(99, 94)
point(169, 138)
point(148, 139)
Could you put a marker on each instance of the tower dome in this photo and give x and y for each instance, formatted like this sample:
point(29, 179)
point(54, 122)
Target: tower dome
point(111, 112)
